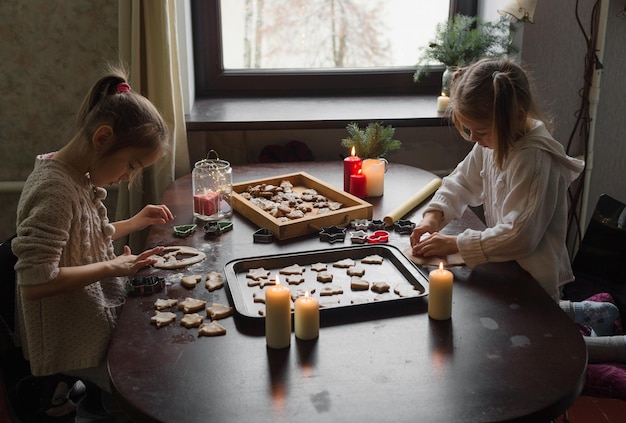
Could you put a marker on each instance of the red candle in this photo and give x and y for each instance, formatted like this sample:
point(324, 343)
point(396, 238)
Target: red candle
point(357, 184)
point(351, 166)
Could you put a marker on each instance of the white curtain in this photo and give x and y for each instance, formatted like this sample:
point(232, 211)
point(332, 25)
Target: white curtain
point(148, 47)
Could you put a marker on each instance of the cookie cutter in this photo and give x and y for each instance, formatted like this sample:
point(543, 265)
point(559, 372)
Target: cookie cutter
point(213, 229)
point(360, 224)
point(376, 225)
point(263, 235)
point(378, 237)
point(184, 230)
point(333, 234)
point(144, 285)
point(358, 237)
point(404, 227)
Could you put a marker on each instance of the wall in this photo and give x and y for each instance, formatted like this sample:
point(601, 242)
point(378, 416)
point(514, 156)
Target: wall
point(51, 53)
point(554, 49)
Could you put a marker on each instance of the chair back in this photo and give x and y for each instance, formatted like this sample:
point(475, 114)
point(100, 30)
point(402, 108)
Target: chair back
point(7, 285)
point(602, 252)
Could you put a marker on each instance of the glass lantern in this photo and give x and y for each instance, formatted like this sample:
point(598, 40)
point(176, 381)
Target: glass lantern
point(212, 184)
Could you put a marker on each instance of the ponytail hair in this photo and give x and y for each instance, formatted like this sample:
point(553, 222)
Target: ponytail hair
point(134, 119)
point(497, 91)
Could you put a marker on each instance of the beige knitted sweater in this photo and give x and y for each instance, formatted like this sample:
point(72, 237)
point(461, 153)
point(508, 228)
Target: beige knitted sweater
point(61, 222)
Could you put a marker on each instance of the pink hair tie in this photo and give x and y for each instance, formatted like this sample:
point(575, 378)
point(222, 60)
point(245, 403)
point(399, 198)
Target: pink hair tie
point(122, 87)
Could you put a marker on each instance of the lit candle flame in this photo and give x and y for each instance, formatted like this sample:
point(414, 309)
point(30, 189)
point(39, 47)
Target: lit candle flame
point(277, 281)
point(443, 94)
point(440, 267)
point(353, 151)
point(306, 294)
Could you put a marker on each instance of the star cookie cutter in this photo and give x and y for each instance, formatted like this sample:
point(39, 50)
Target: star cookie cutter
point(358, 237)
point(213, 229)
point(376, 225)
point(263, 235)
point(378, 237)
point(333, 234)
point(360, 224)
point(184, 230)
point(404, 227)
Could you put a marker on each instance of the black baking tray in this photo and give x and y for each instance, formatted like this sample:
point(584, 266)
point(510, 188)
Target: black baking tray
point(396, 268)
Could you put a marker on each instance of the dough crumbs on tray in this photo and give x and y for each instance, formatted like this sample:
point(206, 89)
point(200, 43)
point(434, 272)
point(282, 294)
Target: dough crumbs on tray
point(162, 318)
point(211, 329)
point(163, 303)
point(190, 305)
point(192, 320)
point(219, 311)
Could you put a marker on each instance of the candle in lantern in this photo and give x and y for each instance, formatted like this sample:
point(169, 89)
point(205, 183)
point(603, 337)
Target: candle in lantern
point(374, 171)
point(278, 316)
point(440, 293)
point(351, 166)
point(442, 102)
point(358, 184)
point(306, 317)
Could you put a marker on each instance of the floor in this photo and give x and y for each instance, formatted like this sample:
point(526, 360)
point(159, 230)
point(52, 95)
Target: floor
point(595, 410)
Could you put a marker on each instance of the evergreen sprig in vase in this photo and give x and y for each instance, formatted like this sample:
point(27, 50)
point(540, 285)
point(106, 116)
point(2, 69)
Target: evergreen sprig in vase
point(372, 142)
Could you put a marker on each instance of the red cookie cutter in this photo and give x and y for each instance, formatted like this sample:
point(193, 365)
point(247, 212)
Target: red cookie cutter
point(378, 237)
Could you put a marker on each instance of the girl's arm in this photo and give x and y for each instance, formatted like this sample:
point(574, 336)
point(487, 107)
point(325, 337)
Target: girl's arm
point(71, 278)
point(149, 215)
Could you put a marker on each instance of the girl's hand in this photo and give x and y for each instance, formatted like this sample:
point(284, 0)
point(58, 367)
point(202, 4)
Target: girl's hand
point(128, 264)
point(437, 244)
point(152, 215)
point(429, 224)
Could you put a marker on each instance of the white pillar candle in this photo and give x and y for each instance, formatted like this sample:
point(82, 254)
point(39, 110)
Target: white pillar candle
point(374, 171)
point(442, 103)
point(278, 316)
point(440, 293)
point(306, 317)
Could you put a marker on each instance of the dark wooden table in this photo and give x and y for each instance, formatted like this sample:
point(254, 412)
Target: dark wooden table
point(508, 353)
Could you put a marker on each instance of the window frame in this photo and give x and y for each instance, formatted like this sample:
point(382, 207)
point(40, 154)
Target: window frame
point(212, 80)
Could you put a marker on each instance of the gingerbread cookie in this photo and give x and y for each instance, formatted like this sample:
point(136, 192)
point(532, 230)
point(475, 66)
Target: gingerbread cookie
point(331, 289)
point(355, 271)
point(405, 289)
point(373, 259)
point(259, 297)
point(295, 279)
point(162, 318)
point(319, 267)
point(359, 284)
point(258, 274)
point(190, 281)
point(214, 280)
point(211, 329)
point(344, 264)
point(161, 303)
point(219, 311)
point(294, 269)
point(380, 287)
point(325, 277)
point(189, 305)
point(191, 320)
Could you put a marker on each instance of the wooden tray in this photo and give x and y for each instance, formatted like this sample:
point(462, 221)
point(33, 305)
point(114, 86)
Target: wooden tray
point(396, 268)
point(353, 207)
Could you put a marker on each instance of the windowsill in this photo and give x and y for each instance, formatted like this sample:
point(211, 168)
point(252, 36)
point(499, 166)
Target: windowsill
point(262, 113)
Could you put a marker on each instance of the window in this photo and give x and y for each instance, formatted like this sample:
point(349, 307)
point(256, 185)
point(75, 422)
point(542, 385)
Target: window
point(239, 50)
